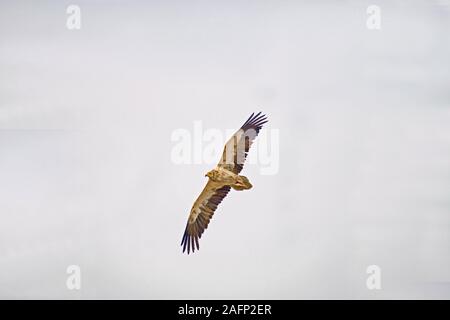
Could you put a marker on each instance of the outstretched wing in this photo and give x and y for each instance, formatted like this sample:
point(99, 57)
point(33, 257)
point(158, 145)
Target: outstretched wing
point(236, 149)
point(201, 213)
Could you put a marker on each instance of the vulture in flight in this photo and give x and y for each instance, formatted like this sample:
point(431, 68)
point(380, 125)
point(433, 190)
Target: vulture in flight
point(221, 179)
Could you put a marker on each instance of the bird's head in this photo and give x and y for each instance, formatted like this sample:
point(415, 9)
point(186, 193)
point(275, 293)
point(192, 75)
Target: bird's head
point(210, 174)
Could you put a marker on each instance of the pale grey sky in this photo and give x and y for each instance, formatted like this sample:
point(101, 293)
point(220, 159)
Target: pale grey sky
point(86, 176)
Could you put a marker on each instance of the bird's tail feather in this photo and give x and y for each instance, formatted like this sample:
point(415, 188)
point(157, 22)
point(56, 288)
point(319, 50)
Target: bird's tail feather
point(242, 183)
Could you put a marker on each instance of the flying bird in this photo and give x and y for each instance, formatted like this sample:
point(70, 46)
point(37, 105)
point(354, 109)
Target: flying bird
point(221, 179)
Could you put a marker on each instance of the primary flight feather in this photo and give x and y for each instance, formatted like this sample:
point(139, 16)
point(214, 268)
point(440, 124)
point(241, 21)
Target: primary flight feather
point(221, 179)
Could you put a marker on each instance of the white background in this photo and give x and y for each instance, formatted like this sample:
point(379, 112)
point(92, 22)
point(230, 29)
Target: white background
point(86, 176)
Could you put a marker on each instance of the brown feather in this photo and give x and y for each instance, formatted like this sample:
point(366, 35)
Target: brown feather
point(201, 213)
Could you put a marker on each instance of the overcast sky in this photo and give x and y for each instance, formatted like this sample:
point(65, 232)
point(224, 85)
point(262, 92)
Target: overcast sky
point(87, 178)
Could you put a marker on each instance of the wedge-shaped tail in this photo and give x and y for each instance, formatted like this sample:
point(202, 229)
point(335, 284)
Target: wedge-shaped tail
point(242, 183)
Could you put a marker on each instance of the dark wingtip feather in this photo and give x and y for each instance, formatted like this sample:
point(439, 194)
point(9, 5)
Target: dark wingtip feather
point(184, 236)
point(188, 245)
point(249, 119)
point(197, 244)
point(185, 239)
point(255, 121)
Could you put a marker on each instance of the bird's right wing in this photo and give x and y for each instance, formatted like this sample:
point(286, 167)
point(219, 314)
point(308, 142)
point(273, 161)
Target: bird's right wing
point(201, 213)
point(237, 147)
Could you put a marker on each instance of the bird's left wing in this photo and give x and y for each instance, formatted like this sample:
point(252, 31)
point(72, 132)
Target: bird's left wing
point(201, 213)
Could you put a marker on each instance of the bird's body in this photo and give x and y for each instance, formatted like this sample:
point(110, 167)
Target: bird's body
point(221, 179)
